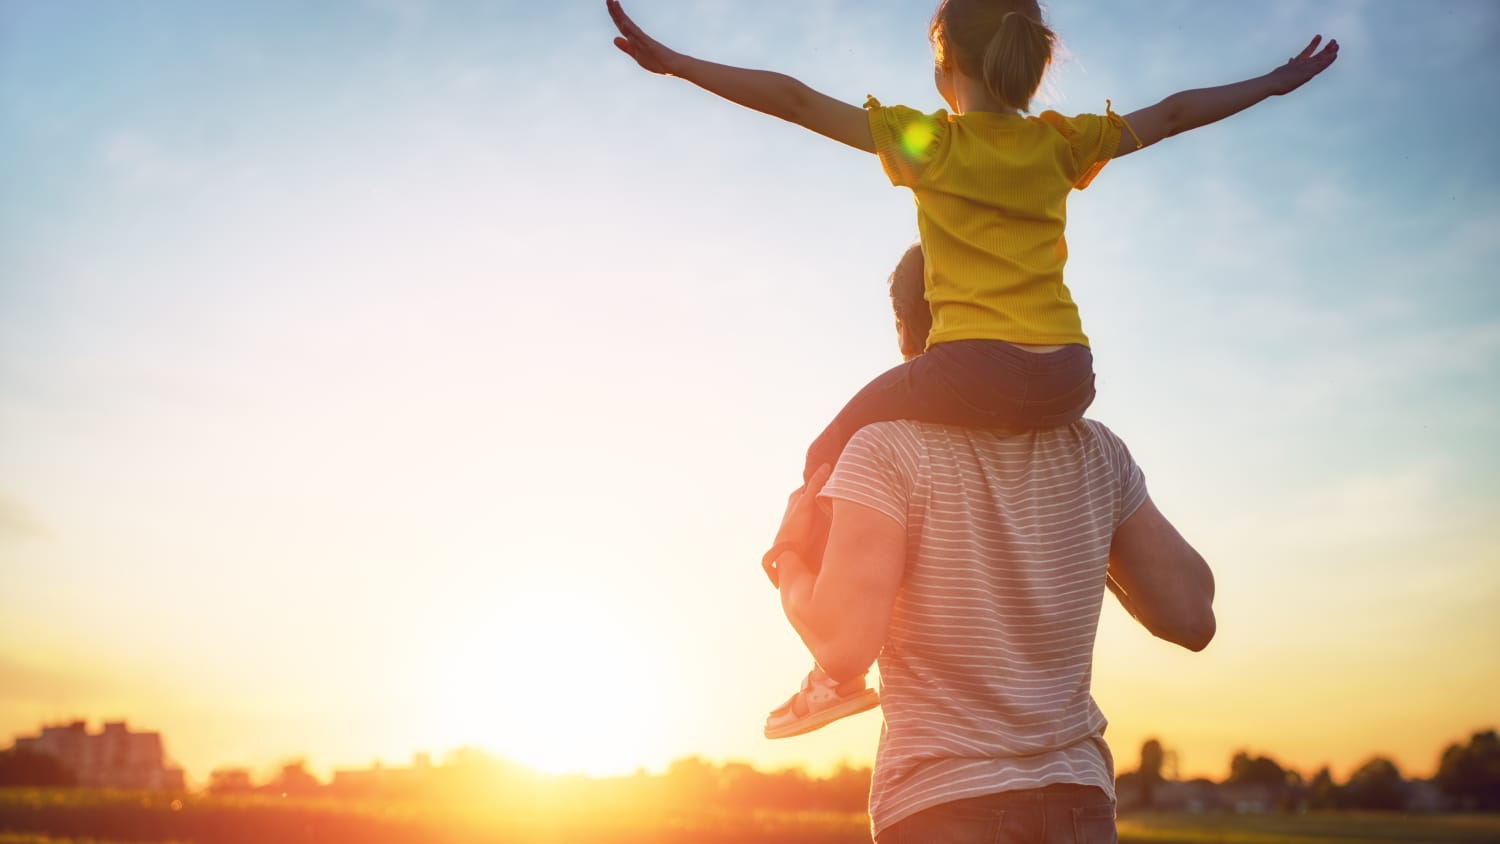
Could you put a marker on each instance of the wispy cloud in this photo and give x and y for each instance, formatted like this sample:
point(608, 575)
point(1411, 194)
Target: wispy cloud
point(405, 12)
point(18, 522)
point(140, 160)
point(25, 681)
point(1352, 516)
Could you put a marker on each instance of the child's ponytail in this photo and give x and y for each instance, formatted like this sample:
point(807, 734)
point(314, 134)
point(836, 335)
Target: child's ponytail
point(1017, 58)
point(1004, 44)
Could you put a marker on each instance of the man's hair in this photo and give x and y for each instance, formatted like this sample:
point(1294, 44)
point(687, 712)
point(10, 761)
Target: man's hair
point(909, 302)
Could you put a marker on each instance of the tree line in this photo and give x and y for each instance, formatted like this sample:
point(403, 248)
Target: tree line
point(1467, 779)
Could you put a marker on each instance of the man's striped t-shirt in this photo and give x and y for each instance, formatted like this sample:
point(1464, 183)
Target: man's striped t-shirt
point(984, 677)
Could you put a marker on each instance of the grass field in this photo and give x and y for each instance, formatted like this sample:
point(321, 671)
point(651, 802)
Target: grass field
point(78, 817)
point(1311, 828)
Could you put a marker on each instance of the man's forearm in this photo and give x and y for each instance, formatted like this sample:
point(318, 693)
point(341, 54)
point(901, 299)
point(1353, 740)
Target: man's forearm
point(1161, 580)
point(796, 586)
point(819, 630)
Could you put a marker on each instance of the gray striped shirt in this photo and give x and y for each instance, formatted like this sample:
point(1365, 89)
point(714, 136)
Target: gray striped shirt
point(985, 671)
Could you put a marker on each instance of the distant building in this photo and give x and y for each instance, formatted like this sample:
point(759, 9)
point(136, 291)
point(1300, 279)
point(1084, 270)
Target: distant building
point(379, 780)
point(114, 758)
point(1199, 795)
point(230, 781)
point(1425, 796)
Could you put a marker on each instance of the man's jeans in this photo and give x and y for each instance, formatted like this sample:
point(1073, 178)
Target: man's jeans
point(1056, 814)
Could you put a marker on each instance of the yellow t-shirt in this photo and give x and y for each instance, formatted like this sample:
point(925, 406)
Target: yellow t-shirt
point(991, 192)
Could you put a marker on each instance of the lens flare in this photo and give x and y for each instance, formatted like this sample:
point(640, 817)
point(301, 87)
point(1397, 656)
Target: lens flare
point(917, 138)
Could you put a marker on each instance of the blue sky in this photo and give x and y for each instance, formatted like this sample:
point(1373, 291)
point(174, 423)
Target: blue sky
point(330, 334)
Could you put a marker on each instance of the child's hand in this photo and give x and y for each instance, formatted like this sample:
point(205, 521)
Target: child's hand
point(796, 522)
point(1304, 66)
point(647, 52)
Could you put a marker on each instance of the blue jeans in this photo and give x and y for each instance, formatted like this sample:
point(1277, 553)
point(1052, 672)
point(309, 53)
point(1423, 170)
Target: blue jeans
point(1054, 814)
point(971, 383)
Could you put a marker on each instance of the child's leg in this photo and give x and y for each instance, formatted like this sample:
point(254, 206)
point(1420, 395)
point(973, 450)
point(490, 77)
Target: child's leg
point(973, 383)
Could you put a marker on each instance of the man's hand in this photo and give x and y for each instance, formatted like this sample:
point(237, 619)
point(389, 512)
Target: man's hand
point(1299, 69)
point(797, 523)
point(647, 51)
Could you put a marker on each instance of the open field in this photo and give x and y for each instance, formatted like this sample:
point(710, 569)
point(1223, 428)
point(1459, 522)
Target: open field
point(1310, 828)
point(75, 817)
point(30, 816)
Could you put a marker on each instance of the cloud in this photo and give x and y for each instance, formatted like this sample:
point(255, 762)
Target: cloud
point(23, 679)
point(1325, 199)
point(1370, 350)
point(1362, 513)
point(18, 522)
point(407, 13)
point(139, 160)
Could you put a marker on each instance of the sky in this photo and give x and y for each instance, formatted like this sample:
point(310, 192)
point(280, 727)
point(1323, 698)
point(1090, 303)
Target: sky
point(390, 376)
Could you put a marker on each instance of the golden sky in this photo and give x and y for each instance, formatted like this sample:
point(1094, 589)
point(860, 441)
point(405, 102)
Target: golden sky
point(396, 376)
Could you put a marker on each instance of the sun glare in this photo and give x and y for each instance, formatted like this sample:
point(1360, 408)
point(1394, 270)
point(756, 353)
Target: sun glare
point(556, 680)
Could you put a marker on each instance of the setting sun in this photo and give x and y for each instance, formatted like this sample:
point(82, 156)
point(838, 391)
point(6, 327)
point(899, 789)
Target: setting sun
point(555, 679)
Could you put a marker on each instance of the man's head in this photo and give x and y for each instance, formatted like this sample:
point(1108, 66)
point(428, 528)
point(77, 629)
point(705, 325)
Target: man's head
point(909, 301)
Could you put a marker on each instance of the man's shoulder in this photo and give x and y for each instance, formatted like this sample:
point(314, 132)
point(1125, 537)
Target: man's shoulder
point(917, 443)
point(909, 432)
point(892, 429)
point(912, 429)
point(1100, 430)
point(899, 436)
point(1106, 438)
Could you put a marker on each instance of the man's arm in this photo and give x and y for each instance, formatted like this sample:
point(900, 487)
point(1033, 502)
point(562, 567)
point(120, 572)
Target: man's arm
point(1161, 580)
point(843, 612)
point(1187, 110)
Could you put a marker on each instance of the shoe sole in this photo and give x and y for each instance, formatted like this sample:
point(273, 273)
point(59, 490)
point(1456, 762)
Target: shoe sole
point(823, 717)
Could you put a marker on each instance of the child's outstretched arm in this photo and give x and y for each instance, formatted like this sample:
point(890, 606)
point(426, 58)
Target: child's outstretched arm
point(769, 93)
point(1190, 109)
